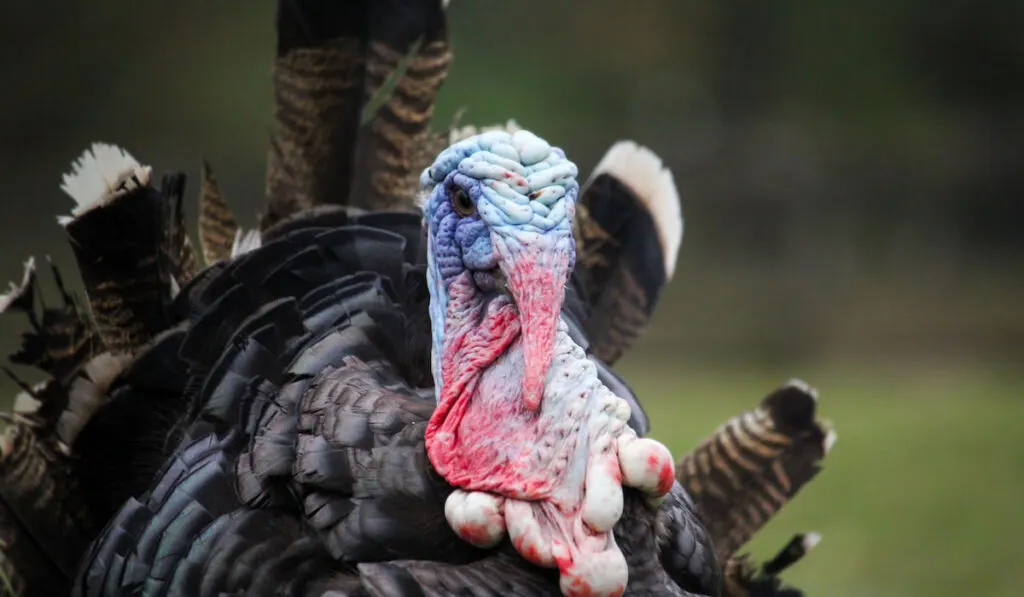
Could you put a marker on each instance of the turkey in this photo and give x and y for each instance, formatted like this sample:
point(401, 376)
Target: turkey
point(295, 418)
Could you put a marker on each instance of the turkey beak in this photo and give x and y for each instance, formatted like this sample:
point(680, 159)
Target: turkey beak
point(536, 275)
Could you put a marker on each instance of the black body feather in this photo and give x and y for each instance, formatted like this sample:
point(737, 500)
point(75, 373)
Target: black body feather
point(306, 360)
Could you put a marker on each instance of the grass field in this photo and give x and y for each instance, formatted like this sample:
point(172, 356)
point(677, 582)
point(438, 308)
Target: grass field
point(920, 496)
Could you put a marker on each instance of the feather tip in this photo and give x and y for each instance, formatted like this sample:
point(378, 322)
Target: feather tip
point(102, 173)
point(643, 171)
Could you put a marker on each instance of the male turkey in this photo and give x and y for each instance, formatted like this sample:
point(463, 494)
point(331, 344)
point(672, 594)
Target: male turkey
point(268, 425)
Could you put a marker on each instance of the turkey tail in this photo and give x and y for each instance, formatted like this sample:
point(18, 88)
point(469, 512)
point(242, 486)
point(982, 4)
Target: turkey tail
point(628, 230)
point(177, 255)
point(390, 154)
point(130, 244)
point(40, 521)
point(749, 470)
point(318, 84)
point(743, 579)
point(332, 58)
point(218, 229)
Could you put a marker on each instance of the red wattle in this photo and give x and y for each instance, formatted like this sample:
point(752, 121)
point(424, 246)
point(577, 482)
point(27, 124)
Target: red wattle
point(485, 440)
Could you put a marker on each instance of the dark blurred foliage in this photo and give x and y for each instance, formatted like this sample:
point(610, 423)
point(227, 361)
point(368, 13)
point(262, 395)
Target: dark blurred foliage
point(852, 173)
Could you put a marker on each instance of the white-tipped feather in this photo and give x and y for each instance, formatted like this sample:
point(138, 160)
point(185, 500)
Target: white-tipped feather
point(245, 242)
point(25, 403)
point(642, 170)
point(810, 540)
point(803, 386)
point(830, 440)
point(103, 172)
point(89, 392)
point(13, 290)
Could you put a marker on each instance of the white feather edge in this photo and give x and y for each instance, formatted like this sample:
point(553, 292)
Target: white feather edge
point(25, 404)
point(803, 386)
point(13, 289)
point(831, 437)
point(642, 170)
point(102, 173)
point(810, 540)
point(830, 433)
point(245, 242)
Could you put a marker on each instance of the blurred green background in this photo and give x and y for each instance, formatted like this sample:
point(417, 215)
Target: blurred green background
point(852, 178)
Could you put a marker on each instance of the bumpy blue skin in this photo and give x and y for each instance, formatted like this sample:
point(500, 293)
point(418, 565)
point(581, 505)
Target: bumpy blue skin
point(524, 192)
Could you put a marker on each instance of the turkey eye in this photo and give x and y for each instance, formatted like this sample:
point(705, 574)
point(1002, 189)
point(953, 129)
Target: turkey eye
point(462, 203)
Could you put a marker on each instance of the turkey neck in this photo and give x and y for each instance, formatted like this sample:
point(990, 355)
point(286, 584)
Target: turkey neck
point(482, 436)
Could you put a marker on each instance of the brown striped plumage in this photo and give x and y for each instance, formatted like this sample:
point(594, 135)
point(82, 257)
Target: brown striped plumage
point(317, 96)
point(619, 264)
point(388, 160)
point(217, 225)
point(132, 254)
point(750, 468)
point(354, 99)
point(176, 246)
point(34, 480)
point(61, 338)
point(43, 524)
point(754, 464)
point(742, 578)
point(621, 316)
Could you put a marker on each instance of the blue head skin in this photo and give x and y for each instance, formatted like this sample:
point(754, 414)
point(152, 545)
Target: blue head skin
point(498, 210)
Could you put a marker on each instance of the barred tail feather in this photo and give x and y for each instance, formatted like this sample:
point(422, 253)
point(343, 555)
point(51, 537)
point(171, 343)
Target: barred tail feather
point(407, 62)
point(130, 243)
point(217, 225)
point(747, 471)
point(355, 86)
point(628, 230)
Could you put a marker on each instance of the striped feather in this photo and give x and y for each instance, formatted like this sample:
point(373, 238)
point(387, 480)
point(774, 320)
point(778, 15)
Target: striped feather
point(741, 578)
point(628, 228)
point(217, 225)
point(180, 262)
point(755, 464)
point(417, 57)
point(335, 63)
point(317, 96)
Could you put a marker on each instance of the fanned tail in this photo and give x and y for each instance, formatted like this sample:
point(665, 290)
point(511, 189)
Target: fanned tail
point(747, 471)
point(333, 62)
point(58, 477)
